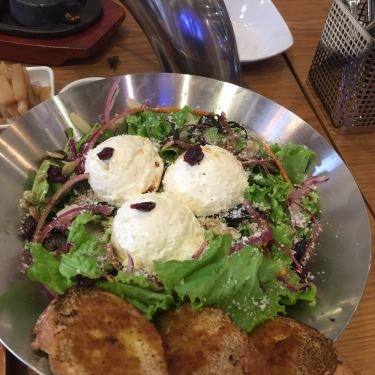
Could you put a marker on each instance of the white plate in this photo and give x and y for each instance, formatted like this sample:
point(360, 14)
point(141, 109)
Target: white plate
point(39, 75)
point(260, 30)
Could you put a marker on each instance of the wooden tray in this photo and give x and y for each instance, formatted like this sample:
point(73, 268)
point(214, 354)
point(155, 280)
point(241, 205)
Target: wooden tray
point(57, 51)
point(10, 365)
point(2, 360)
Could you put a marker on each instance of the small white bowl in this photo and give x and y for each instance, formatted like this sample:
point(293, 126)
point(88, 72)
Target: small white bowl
point(41, 76)
point(79, 82)
point(260, 30)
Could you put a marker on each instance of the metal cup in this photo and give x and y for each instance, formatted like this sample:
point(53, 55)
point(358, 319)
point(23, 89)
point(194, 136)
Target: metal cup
point(189, 36)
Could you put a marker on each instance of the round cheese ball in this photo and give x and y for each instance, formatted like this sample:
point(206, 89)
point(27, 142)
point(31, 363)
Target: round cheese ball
point(155, 226)
point(122, 166)
point(213, 185)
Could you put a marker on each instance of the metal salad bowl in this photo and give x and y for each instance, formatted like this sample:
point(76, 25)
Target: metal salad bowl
point(342, 260)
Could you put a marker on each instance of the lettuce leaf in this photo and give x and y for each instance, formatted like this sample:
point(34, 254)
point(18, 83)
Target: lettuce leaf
point(85, 258)
point(87, 255)
point(184, 116)
point(244, 284)
point(149, 124)
point(45, 269)
point(158, 125)
point(42, 189)
point(173, 272)
point(40, 186)
point(268, 193)
point(140, 292)
point(85, 261)
point(86, 226)
point(296, 160)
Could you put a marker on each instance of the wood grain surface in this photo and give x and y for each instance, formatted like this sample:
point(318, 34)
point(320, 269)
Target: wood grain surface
point(283, 79)
point(2, 360)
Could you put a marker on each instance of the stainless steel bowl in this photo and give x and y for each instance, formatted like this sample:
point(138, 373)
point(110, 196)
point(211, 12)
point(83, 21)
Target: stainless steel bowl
point(342, 259)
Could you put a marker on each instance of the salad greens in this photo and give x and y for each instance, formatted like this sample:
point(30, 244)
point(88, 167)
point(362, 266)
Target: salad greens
point(253, 269)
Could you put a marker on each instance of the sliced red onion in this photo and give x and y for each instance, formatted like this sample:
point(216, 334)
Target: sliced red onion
point(298, 267)
point(304, 190)
point(264, 163)
point(225, 125)
point(229, 144)
point(291, 287)
point(294, 209)
point(110, 99)
point(314, 235)
point(181, 143)
point(253, 213)
point(73, 149)
point(200, 251)
point(106, 125)
point(130, 266)
point(109, 252)
point(297, 194)
point(64, 220)
point(52, 201)
point(81, 167)
point(262, 239)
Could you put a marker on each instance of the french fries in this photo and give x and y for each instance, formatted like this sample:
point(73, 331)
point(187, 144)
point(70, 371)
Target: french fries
point(17, 93)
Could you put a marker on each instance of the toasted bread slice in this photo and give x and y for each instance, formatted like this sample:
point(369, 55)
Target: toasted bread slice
point(91, 331)
point(293, 348)
point(205, 341)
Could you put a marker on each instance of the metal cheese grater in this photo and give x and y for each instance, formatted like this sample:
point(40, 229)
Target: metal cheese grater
point(343, 69)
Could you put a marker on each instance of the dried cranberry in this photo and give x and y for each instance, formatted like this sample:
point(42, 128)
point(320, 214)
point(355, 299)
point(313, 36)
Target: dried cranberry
point(193, 155)
point(106, 153)
point(143, 206)
point(54, 174)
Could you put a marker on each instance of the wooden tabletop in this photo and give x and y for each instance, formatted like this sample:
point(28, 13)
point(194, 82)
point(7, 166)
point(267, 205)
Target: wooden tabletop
point(283, 79)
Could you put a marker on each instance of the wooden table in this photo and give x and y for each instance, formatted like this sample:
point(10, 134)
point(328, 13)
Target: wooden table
point(283, 79)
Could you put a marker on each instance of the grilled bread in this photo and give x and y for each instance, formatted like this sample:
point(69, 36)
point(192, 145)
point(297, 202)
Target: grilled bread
point(205, 341)
point(91, 331)
point(293, 348)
